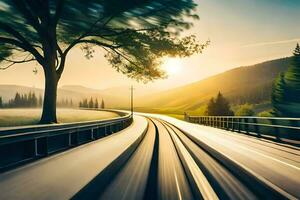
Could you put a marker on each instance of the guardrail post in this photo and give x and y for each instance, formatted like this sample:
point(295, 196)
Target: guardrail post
point(246, 125)
point(35, 148)
point(239, 125)
point(70, 139)
point(227, 123)
point(92, 134)
point(256, 128)
point(42, 146)
point(275, 129)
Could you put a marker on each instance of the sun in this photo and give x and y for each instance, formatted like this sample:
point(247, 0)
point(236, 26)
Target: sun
point(172, 66)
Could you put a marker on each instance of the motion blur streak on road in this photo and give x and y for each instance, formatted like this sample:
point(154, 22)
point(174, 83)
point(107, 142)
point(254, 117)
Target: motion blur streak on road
point(64, 174)
point(277, 165)
point(131, 181)
point(159, 157)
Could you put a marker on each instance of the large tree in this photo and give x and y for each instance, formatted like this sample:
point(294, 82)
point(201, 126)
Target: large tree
point(286, 89)
point(135, 34)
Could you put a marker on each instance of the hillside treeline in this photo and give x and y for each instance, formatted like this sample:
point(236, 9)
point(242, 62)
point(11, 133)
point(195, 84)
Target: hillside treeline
point(91, 103)
point(30, 100)
point(27, 100)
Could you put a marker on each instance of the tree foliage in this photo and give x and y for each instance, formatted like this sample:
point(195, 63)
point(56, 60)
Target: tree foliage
point(245, 110)
point(102, 104)
point(219, 106)
point(286, 89)
point(134, 34)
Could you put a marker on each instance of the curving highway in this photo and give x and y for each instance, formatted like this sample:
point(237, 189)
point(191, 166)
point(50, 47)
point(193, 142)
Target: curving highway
point(159, 157)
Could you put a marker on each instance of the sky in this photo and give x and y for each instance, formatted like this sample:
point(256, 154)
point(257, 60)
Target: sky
point(242, 32)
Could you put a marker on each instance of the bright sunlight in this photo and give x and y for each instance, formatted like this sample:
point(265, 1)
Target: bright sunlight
point(172, 66)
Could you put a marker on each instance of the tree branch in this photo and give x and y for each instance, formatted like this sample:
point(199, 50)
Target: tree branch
point(123, 56)
point(13, 62)
point(4, 68)
point(21, 45)
point(19, 61)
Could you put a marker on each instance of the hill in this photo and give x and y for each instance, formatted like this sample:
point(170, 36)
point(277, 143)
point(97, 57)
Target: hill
point(250, 84)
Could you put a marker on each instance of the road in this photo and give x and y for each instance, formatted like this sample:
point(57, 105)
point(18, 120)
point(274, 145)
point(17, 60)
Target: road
point(159, 157)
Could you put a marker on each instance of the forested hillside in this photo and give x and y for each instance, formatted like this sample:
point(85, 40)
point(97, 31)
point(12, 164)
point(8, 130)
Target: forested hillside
point(250, 84)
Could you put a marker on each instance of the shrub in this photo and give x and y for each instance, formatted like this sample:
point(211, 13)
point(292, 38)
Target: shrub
point(245, 110)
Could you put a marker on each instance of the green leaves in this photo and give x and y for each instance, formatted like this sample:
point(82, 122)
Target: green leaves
point(140, 52)
point(135, 34)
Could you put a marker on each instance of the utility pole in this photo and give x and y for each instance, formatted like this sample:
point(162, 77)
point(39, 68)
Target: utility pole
point(131, 100)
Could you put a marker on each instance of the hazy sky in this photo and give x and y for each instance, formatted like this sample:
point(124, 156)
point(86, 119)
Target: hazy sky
point(242, 32)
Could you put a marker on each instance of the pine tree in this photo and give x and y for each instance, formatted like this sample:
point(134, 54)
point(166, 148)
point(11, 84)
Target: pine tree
point(40, 102)
point(222, 106)
point(25, 100)
point(30, 100)
point(17, 100)
point(286, 89)
point(66, 103)
point(96, 103)
point(85, 103)
point(219, 106)
point(102, 104)
point(278, 95)
point(34, 100)
point(211, 107)
point(91, 103)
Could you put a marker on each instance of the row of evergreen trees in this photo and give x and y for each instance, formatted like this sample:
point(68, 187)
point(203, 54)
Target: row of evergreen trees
point(286, 89)
point(65, 103)
point(28, 100)
point(92, 103)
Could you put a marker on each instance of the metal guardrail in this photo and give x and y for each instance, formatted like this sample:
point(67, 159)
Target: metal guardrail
point(276, 128)
point(18, 145)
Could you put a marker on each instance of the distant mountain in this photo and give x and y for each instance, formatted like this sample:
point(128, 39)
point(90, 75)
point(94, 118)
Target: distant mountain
point(79, 89)
point(243, 84)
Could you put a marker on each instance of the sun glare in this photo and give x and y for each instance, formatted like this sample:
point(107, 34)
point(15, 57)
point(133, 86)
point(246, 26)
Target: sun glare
point(172, 66)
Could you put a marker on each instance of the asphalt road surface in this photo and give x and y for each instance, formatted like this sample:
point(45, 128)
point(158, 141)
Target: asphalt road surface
point(159, 157)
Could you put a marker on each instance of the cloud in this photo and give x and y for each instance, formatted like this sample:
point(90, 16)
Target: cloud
point(272, 43)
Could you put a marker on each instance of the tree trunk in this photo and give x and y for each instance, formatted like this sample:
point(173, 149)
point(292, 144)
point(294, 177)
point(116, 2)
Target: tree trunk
point(50, 94)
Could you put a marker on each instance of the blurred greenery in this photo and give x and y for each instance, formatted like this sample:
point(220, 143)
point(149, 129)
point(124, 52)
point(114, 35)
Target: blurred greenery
point(265, 114)
point(245, 110)
point(286, 89)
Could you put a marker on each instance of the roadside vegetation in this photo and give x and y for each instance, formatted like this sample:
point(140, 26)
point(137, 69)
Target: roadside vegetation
point(23, 116)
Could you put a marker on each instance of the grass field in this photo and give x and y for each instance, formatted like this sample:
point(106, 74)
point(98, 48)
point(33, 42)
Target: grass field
point(181, 117)
point(19, 117)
